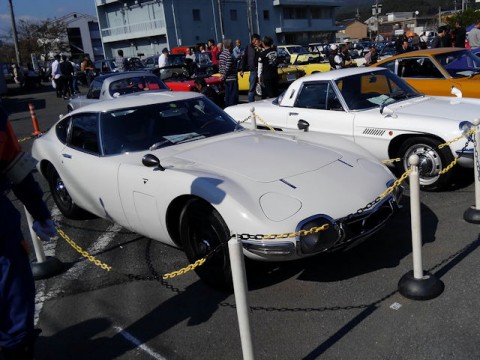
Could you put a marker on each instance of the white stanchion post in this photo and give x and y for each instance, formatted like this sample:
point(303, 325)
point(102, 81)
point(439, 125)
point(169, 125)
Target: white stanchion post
point(415, 217)
point(36, 242)
point(417, 284)
point(45, 266)
point(472, 214)
point(254, 118)
point(239, 277)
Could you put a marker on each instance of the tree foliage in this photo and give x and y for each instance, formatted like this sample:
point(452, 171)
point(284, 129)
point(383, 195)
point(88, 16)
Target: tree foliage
point(467, 17)
point(41, 38)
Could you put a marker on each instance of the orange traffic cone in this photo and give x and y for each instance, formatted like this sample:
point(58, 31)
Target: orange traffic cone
point(34, 120)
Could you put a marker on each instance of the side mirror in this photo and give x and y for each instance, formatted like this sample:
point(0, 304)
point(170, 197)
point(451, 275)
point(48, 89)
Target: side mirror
point(303, 125)
point(150, 160)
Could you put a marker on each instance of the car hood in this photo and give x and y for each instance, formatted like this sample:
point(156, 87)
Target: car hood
point(260, 157)
point(439, 107)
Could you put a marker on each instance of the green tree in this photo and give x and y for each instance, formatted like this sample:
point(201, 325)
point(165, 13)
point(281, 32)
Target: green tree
point(467, 17)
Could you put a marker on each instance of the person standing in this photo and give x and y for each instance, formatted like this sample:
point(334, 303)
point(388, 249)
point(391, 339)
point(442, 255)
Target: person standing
point(17, 286)
point(213, 48)
point(249, 62)
point(163, 59)
point(474, 36)
point(268, 69)
point(76, 68)
point(460, 34)
point(88, 69)
point(372, 56)
point(67, 72)
point(437, 41)
point(121, 64)
point(57, 76)
point(228, 71)
point(334, 59)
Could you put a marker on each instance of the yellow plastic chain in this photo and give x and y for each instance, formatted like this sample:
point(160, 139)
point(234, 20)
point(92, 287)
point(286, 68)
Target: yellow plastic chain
point(468, 133)
point(83, 252)
point(313, 230)
point(265, 123)
point(184, 270)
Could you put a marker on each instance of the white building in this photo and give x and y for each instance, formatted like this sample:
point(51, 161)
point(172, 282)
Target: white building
point(147, 26)
point(83, 35)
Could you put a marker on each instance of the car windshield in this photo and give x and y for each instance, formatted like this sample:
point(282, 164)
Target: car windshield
point(374, 89)
point(297, 50)
point(460, 63)
point(135, 84)
point(155, 126)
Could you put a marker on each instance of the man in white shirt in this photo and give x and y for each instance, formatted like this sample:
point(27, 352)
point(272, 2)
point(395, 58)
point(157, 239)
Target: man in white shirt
point(163, 59)
point(474, 36)
point(57, 76)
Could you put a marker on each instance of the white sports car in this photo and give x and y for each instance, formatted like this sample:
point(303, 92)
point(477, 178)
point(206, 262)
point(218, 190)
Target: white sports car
point(174, 167)
point(379, 111)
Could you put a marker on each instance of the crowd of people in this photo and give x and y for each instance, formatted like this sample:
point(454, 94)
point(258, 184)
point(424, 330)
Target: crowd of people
point(229, 58)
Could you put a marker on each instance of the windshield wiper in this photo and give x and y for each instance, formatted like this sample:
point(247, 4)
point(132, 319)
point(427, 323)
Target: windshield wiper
point(158, 145)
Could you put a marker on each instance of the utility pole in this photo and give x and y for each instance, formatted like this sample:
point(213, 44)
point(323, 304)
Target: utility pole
point(220, 15)
point(250, 18)
point(14, 30)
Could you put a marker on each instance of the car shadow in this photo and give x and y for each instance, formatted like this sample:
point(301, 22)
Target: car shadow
point(383, 250)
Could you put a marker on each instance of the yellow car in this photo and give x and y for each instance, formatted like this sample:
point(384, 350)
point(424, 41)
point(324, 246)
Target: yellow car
point(297, 54)
point(312, 68)
point(286, 75)
point(436, 71)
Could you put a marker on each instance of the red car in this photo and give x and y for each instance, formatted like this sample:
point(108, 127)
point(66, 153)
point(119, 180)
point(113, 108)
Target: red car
point(182, 77)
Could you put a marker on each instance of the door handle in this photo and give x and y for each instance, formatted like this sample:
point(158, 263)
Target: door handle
point(292, 113)
point(68, 156)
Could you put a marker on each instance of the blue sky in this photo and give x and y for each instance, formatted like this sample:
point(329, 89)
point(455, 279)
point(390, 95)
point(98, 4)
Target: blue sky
point(41, 10)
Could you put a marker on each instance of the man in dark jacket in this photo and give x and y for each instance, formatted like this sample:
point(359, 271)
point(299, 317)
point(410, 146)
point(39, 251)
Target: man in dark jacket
point(250, 63)
point(67, 71)
point(460, 35)
point(17, 287)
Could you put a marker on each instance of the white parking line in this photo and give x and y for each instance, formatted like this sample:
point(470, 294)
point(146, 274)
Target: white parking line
point(132, 339)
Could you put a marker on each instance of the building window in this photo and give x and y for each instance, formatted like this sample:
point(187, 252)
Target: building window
point(294, 13)
point(320, 13)
point(266, 15)
point(233, 15)
point(196, 14)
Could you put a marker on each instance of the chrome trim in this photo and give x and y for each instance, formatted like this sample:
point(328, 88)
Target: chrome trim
point(269, 248)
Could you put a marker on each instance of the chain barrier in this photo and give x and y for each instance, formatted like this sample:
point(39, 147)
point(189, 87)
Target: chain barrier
point(264, 122)
point(441, 146)
point(25, 139)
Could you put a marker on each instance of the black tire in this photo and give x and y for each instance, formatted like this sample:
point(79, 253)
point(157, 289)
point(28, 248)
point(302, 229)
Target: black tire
point(62, 197)
point(202, 230)
point(432, 161)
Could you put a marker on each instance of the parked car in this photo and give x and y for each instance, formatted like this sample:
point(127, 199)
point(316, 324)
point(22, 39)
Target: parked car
point(116, 84)
point(379, 111)
point(106, 66)
point(182, 78)
point(174, 167)
point(286, 75)
point(435, 71)
point(298, 53)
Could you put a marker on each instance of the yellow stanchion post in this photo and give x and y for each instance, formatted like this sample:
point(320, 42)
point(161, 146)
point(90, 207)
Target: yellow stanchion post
point(472, 214)
point(417, 284)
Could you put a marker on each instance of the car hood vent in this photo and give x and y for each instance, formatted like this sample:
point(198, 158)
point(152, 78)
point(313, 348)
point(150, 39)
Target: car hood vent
point(261, 157)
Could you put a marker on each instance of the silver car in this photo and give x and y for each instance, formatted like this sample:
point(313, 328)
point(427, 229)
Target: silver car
point(110, 86)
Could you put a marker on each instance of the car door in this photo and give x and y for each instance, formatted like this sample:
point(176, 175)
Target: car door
point(90, 178)
point(319, 103)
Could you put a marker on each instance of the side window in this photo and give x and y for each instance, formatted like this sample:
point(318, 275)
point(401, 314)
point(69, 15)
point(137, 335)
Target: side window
point(94, 91)
point(313, 96)
point(390, 66)
point(62, 130)
point(85, 133)
point(419, 68)
point(333, 103)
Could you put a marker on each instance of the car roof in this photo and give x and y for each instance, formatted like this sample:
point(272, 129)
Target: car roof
point(124, 75)
point(337, 74)
point(137, 99)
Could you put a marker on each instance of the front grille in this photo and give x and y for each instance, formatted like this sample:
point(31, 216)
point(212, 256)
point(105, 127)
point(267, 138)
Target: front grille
point(364, 224)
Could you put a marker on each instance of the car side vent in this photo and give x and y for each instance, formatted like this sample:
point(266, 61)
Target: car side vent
point(374, 132)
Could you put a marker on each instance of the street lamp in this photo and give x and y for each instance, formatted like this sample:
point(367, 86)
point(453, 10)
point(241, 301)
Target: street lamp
point(415, 17)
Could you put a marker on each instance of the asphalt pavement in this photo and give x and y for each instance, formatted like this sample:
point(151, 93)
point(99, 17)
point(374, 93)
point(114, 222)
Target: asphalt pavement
point(342, 305)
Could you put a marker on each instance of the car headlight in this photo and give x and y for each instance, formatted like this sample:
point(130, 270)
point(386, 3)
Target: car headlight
point(318, 241)
point(465, 126)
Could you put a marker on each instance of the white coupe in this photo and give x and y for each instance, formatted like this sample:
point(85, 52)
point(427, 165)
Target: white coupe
point(379, 111)
point(174, 167)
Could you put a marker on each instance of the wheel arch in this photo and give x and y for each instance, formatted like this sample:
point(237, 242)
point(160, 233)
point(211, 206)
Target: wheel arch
point(172, 217)
point(397, 142)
